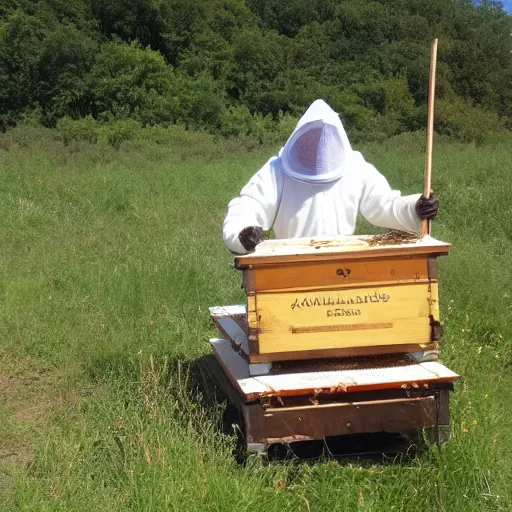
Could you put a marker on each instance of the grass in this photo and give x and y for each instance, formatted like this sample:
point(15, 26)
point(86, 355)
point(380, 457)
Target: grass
point(108, 263)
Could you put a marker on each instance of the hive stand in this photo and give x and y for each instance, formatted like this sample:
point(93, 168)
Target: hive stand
point(280, 409)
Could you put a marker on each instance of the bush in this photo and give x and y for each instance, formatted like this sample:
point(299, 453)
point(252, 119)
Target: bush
point(131, 82)
point(362, 122)
point(128, 81)
point(117, 132)
point(237, 121)
point(203, 102)
point(31, 117)
point(21, 39)
point(42, 64)
point(85, 129)
point(90, 130)
point(461, 121)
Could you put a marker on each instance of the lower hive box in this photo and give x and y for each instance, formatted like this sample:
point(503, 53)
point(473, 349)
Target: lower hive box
point(345, 296)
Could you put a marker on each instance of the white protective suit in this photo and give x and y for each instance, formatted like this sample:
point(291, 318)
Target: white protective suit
point(316, 186)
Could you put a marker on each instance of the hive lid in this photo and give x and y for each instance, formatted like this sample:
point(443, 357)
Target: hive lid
point(341, 247)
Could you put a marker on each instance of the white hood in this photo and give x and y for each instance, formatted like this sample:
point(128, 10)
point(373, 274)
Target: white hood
point(318, 149)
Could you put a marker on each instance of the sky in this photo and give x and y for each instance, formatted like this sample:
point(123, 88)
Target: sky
point(507, 5)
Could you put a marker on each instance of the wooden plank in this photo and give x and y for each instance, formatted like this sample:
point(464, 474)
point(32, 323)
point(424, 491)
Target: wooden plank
point(444, 406)
point(252, 310)
point(259, 368)
point(231, 392)
point(288, 424)
point(234, 333)
point(248, 281)
point(237, 370)
point(432, 268)
point(340, 352)
point(232, 324)
point(335, 248)
point(227, 311)
point(252, 320)
point(368, 284)
point(440, 370)
point(326, 275)
point(345, 381)
point(433, 301)
point(343, 318)
point(431, 372)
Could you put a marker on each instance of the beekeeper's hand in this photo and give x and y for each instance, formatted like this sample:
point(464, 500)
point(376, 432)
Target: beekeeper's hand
point(427, 208)
point(250, 237)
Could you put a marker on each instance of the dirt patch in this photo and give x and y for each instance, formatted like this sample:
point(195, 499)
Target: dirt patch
point(5, 382)
point(23, 403)
point(10, 458)
point(9, 390)
point(31, 413)
point(22, 391)
point(8, 453)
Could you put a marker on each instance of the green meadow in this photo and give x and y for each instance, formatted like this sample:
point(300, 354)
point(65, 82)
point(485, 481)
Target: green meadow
point(109, 260)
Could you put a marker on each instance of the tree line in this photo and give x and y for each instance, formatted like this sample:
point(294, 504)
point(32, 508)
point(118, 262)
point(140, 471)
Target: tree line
point(239, 67)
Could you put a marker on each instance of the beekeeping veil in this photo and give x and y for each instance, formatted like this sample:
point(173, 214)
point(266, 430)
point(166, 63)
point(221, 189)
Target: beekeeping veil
point(318, 150)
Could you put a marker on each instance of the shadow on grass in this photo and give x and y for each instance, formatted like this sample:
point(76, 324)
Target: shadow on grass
point(364, 449)
point(165, 376)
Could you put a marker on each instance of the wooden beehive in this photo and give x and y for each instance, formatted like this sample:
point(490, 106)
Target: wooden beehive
point(344, 296)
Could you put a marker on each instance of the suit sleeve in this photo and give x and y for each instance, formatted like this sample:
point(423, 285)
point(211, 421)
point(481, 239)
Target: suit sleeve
point(255, 206)
point(384, 207)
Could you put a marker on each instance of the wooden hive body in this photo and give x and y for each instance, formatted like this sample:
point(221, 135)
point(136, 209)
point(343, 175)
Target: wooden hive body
point(344, 296)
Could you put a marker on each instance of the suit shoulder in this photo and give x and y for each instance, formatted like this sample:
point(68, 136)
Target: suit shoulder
point(270, 173)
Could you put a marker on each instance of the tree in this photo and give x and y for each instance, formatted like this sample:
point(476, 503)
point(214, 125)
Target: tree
point(127, 80)
point(209, 62)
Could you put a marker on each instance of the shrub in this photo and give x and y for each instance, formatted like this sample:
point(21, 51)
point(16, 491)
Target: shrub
point(42, 64)
point(203, 102)
point(464, 122)
point(237, 121)
point(119, 131)
point(90, 130)
point(127, 80)
point(85, 129)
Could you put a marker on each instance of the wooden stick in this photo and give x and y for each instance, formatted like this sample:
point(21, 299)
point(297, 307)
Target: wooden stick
point(425, 224)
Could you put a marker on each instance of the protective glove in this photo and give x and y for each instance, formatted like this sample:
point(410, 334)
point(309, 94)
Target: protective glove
point(427, 208)
point(250, 237)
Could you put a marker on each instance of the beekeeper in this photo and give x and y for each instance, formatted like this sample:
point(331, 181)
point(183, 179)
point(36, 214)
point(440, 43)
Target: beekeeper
point(315, 187)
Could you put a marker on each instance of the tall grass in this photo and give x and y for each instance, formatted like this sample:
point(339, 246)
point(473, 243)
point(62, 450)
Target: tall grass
point(109, 260)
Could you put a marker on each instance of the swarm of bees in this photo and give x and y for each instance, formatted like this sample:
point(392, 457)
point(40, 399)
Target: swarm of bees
point(393, 237)
point(347, 363)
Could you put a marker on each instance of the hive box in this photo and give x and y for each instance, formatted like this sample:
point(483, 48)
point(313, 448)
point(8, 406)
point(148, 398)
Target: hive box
point(346, 296)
